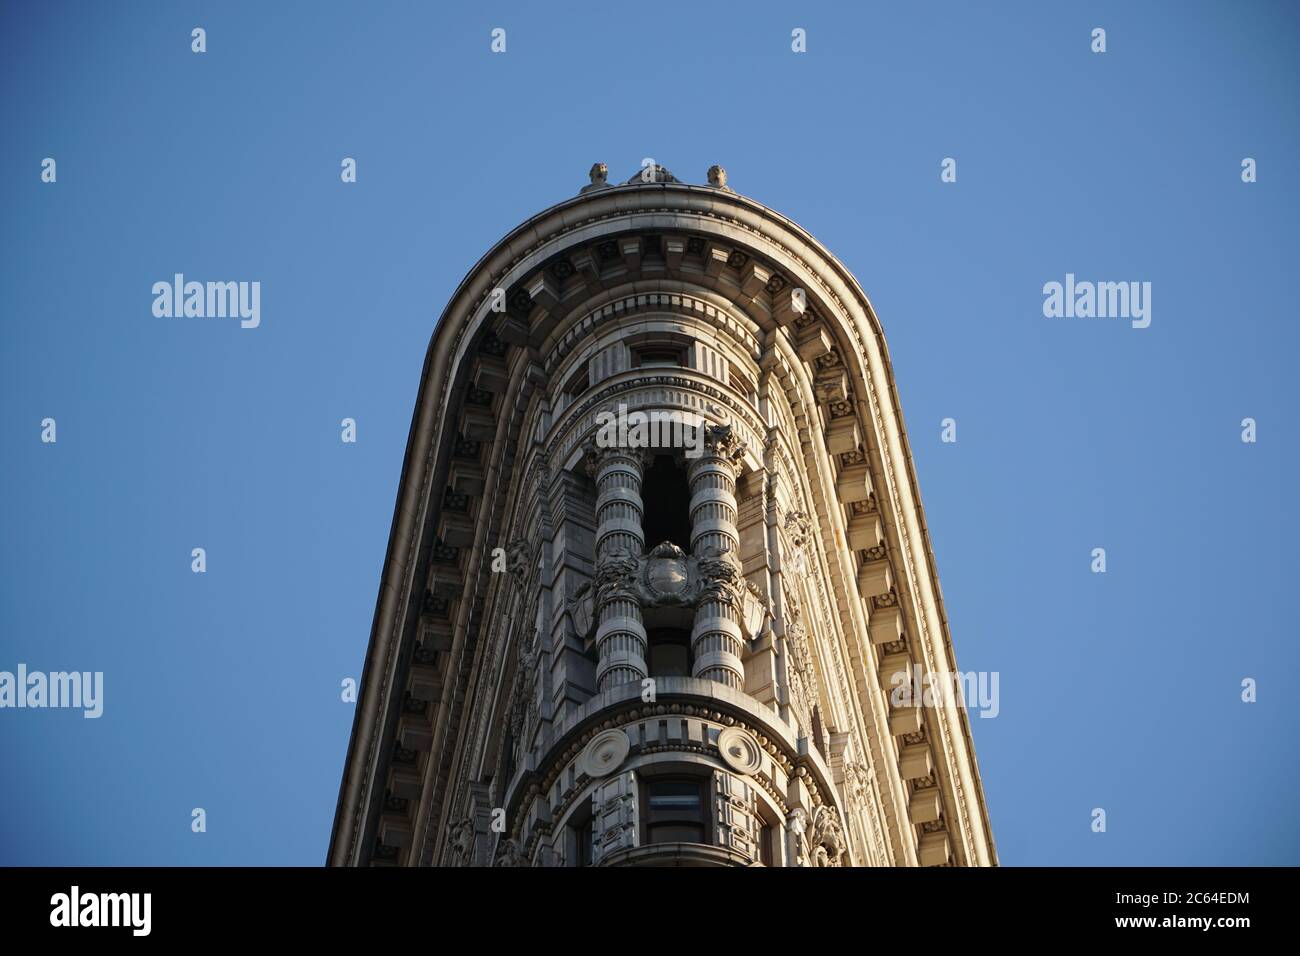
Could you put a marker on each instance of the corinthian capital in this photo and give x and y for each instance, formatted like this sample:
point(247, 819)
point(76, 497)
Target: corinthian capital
point(595, 456)
point(720, 443)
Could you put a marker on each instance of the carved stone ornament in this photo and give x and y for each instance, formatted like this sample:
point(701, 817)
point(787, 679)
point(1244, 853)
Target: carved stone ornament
point(826, 837)
point(755, 610)
point(739, 750)
point(798, 529)
point(523, 696)
point(599, 178)
point(667, 576)
point(801, 672)
point(518, 558)
point(721, 442)
point(510, 853)
point(461, 842)
point(797, 637)
point(616, 575)
point(797, 821)
point(605, 753)
point(595, 456)
point(581, 610)
point(801, 675)
point(800, 655)
point(720, 576)
point(859, 782)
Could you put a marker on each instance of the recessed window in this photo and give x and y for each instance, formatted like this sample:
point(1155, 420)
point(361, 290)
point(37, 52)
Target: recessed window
point(658, 356)
point(742, 383)
point(674, 810)
point(584, 843)
point(667, 497)
point(670, 652)
point(579, 381)
point(580, 835)
point(508, 748)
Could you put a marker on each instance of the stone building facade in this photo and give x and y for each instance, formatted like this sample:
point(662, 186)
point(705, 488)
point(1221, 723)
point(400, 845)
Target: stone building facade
point(657, 555)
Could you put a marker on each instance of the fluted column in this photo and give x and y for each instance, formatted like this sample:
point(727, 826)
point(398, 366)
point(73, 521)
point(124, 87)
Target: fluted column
point(717, 639)
point(620, 540)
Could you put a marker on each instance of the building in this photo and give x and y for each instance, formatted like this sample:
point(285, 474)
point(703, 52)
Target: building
point(657, 555)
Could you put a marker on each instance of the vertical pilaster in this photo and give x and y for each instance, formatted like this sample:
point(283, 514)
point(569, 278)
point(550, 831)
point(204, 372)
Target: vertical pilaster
point(620, 541)
point(614, 811)
point(572, 508)
point(717, 639)
point(735, 816)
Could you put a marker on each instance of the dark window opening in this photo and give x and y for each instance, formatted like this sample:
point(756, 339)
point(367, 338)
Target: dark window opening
point(584, 843)
point(580, 826)
point(743, 383)
point(658, 356)
point(674, 811)
point(508, 748)
point(818, 731)
point(765, 845)
point(578, 382)
point(666, 498)
point(670, 652)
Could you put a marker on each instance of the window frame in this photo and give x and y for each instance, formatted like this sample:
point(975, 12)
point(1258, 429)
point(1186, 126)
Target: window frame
point(648, 825)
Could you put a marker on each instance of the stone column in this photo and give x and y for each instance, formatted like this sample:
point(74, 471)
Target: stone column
point(717, 639)
point(620, 541)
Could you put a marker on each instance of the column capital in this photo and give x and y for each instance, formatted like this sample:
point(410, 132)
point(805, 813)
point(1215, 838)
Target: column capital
point(720, 444)
point(595, 457)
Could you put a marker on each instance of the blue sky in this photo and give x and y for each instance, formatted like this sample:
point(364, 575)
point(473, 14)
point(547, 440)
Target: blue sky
point(1119, 691)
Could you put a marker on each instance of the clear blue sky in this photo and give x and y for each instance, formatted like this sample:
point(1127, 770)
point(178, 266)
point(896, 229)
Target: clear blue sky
point(1118, 691)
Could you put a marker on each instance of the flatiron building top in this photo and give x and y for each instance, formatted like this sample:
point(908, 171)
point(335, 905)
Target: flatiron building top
point(657, 562)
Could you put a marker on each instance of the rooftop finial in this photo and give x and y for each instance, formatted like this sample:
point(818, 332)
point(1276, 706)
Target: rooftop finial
point(718, 178)
point(599, 176)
